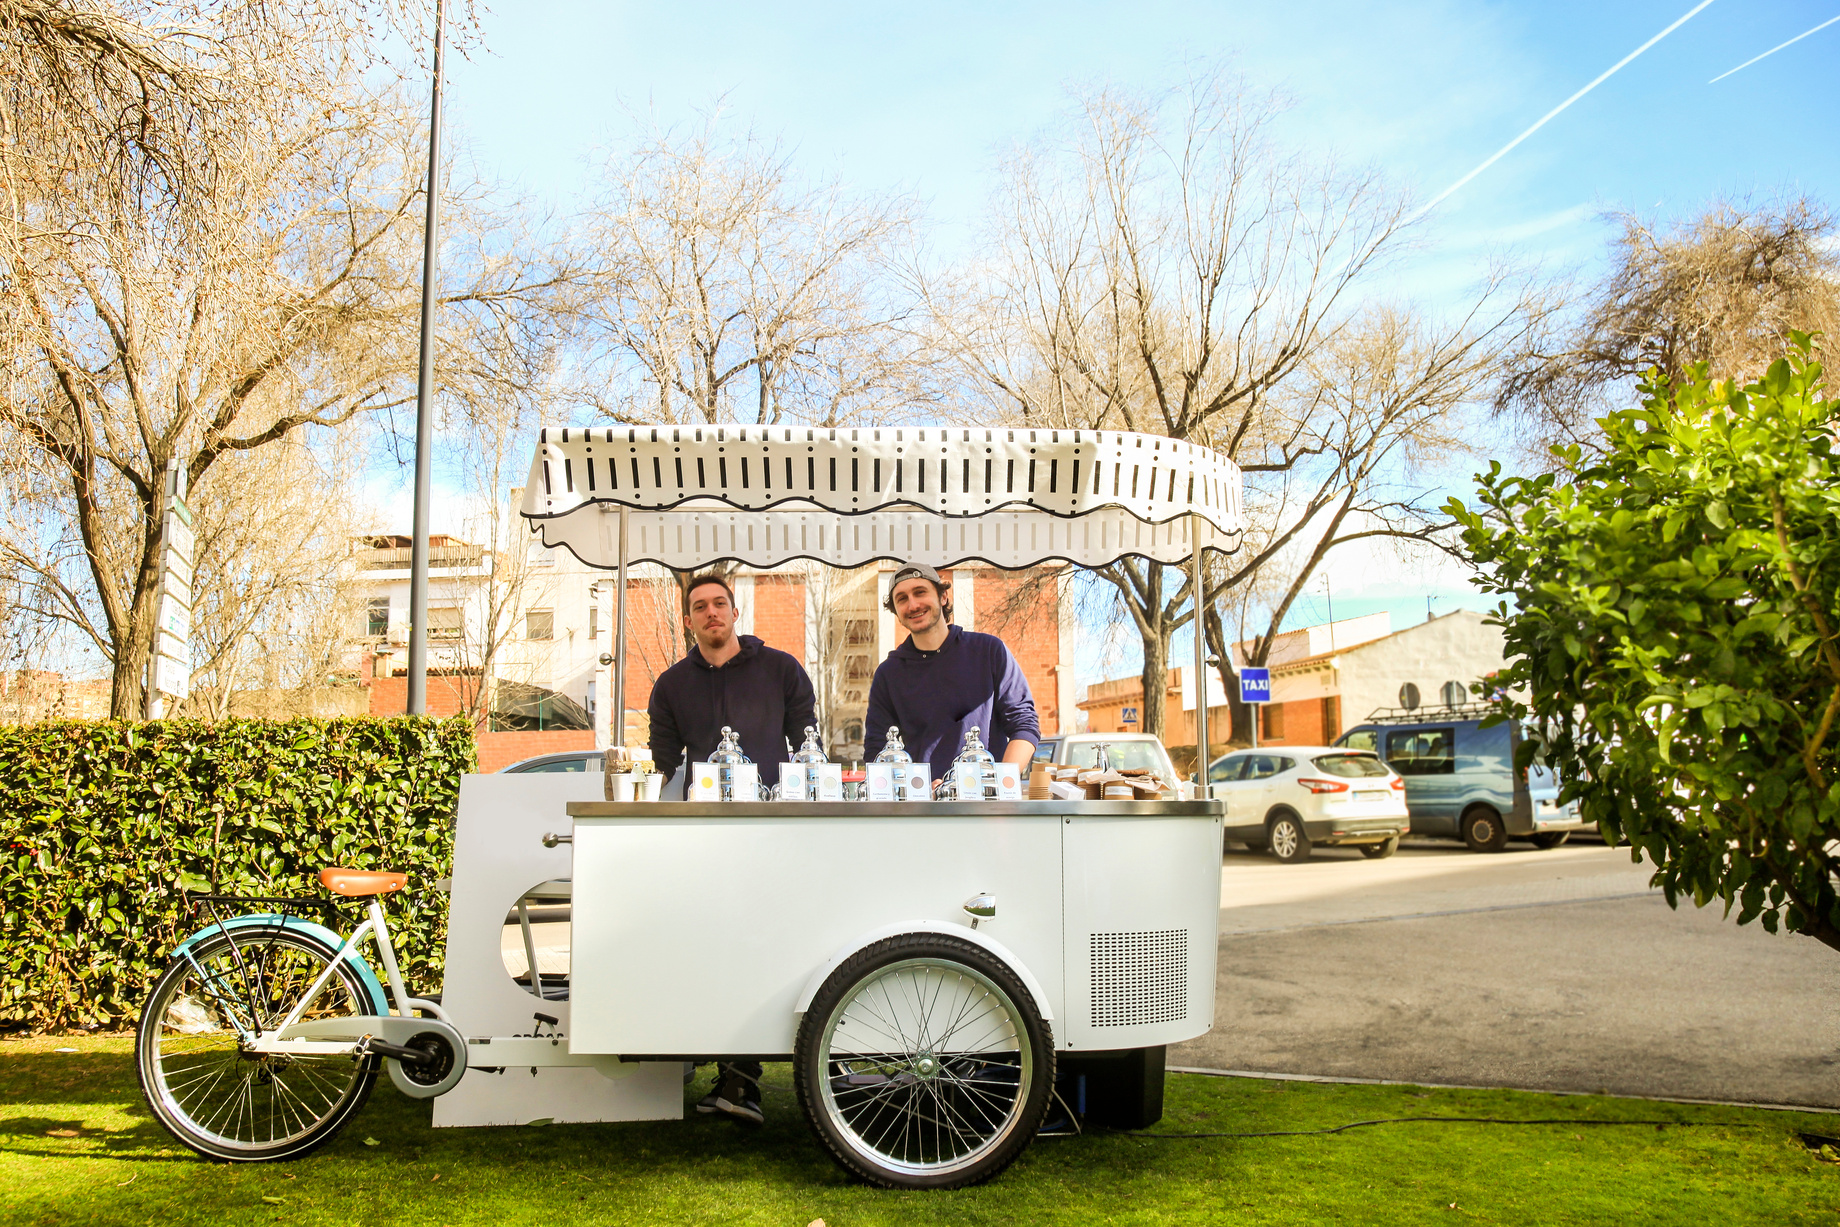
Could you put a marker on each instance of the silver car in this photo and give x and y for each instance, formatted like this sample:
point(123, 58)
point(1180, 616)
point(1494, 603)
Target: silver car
point(1123, 750)
point(1290, 798)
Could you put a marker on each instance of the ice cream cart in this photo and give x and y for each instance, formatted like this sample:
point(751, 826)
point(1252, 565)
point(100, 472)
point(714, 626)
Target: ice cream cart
point(923, 964)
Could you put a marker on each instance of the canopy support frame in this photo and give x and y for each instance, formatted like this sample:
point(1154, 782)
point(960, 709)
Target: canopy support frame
point(1197, 580)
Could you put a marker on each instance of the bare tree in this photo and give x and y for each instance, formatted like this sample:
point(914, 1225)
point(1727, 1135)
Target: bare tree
point(226, 314)
point(1725, 289)
point(1160, 265)
point(732, 291)
point(275, 599)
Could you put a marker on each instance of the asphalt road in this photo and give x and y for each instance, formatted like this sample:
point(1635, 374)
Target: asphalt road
point(1555, 970)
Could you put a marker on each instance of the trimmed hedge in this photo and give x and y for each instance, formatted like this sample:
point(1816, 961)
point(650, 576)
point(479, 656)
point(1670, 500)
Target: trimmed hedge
point(103, 825)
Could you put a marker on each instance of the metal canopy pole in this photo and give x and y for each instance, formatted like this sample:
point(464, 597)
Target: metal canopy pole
point(424, 399)
point(619, 643)
point(1201, 715)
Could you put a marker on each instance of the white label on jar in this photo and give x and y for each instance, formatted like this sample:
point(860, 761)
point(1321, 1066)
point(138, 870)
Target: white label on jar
point(830, 781)
point(919, 782)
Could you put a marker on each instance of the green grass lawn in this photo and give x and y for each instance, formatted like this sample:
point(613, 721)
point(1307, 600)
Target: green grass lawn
point(78, 1146)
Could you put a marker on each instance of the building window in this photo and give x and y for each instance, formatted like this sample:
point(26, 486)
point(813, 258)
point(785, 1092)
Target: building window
point(858, 631)
point(1331, 718)
point(540, 624)
point(856, 668)
point(594, 621)
point(1408, 696)
point(1272, 715)
point(377, 618)
point(445, 623)
point(1455, 694)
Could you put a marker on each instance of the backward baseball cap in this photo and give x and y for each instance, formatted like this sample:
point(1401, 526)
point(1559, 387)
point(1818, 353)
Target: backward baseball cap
point(915, 570)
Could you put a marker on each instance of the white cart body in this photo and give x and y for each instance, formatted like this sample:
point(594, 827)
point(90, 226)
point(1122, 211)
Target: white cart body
point(702, 930)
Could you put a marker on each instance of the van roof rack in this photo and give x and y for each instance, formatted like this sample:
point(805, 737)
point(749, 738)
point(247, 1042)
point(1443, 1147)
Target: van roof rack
point(1426, 715)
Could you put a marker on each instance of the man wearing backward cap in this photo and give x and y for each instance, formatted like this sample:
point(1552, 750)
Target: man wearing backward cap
point(945, 679)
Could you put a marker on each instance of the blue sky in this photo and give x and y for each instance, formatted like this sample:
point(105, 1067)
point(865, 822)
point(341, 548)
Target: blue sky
point(926, 98)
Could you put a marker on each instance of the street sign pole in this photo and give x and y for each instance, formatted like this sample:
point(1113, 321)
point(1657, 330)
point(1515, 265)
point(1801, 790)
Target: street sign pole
point(1255, 692)
point(169, 656)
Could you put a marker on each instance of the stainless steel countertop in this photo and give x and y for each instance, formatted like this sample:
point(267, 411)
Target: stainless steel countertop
point(896, 809)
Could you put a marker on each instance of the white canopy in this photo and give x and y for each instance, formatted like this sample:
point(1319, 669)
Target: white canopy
point(763, 496)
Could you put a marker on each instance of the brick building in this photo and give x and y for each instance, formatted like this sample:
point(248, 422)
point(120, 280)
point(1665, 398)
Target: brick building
point(553, 616)
point(1324, 679)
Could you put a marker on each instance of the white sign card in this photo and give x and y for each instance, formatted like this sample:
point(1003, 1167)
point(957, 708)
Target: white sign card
point(881, 780)
point(919, 782)
point(968, 781)
point(829, 781)
point(703, 783)
point(171, 676)
point(1009, 782)
point(792, 783)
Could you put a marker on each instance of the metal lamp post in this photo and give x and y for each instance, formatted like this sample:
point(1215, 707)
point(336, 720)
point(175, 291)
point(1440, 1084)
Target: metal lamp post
point(424, 398)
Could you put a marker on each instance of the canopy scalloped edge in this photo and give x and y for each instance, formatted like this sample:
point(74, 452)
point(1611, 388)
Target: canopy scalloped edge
point(1012, 539)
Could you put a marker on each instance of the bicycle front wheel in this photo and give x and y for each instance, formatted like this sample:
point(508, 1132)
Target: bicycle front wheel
point(222, 1100)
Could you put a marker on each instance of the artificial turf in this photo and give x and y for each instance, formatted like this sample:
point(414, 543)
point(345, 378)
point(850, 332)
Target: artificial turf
point(77, 1145)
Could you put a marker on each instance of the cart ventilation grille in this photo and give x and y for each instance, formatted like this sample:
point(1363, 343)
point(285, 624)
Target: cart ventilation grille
point(1139, 978)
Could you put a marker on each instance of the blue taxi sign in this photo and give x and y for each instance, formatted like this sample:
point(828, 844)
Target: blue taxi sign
point(1254, 685)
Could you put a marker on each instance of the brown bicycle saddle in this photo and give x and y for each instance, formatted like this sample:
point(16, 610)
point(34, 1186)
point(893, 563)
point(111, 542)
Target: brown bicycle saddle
point(358, 882)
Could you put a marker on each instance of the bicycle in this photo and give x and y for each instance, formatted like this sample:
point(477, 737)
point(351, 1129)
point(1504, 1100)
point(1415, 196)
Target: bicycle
point(267, 1031)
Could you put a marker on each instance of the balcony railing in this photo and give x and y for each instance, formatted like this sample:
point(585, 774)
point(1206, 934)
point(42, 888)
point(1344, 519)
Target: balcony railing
point(399, 559)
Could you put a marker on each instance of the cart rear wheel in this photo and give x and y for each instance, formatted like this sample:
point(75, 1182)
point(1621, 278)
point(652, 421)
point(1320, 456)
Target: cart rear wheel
point(923, 1062)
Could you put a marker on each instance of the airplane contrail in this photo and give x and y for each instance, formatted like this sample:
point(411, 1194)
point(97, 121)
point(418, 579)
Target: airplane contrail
point(1773, 50)
point(1541, 123)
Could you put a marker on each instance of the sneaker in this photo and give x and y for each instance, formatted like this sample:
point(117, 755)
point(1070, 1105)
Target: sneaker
point(735, 1094)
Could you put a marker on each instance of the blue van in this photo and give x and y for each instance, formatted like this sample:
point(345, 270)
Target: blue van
point(1460, 777)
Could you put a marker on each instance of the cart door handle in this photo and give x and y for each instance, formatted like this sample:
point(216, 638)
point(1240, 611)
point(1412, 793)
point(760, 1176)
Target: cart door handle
point(551, 839)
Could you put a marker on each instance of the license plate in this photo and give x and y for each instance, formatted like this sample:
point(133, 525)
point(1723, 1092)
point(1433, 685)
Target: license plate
point(1370, 796)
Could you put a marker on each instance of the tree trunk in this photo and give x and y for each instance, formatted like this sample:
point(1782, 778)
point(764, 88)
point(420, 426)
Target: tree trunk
point(1156, 683)
point(1239, 715)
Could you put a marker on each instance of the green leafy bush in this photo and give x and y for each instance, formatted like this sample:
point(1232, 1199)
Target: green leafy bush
point(104, 825)
point(1676, 628)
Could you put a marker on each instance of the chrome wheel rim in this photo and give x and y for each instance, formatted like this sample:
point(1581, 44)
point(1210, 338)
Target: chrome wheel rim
point(1284, 838)
point(199, 1071)
point(927, 1067)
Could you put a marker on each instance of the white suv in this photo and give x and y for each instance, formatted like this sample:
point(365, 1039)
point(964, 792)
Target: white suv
point(1289, 798)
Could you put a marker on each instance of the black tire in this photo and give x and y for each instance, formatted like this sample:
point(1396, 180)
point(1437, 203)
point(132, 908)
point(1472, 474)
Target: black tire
point(1288, 841)
point(235, 1106)
point(1483, 829)
point(1550, 839)
point(1381, 850)
point(900, 1109)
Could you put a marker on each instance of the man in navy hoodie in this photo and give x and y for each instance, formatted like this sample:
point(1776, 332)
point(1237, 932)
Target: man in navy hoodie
point(764, 695)
point(945, 679)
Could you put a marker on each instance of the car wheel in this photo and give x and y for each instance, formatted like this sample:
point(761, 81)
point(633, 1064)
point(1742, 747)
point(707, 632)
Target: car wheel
point(1550, 839)
point(1381, 850)
point(1483, 830)
point(1285, 836)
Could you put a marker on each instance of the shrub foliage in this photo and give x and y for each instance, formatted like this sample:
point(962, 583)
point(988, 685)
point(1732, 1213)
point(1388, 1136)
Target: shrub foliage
point(104, 826)
point(1676, 628)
